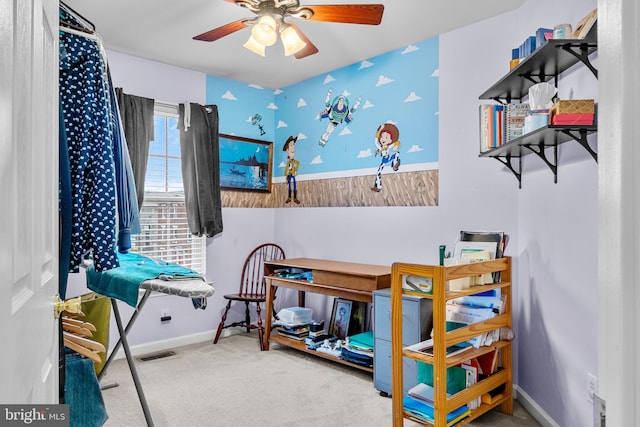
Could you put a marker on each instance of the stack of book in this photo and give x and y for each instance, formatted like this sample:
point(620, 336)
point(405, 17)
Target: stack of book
point(316, 338)
point(419, 403)
point(359, 349)
point(473, 309)
point(295, 331)
point(500, 124)
point(495, 242)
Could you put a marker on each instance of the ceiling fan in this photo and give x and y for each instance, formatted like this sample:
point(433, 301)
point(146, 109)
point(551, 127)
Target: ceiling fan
point(270, 21)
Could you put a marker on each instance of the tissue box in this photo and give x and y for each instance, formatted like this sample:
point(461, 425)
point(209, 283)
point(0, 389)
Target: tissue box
point(535, 121)
point(574, 106)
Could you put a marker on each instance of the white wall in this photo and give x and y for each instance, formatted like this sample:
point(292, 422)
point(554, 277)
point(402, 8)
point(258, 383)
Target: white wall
point(556, 290)
point(557, 229)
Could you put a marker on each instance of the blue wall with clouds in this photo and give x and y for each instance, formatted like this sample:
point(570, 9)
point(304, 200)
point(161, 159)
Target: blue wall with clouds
point(399, 87)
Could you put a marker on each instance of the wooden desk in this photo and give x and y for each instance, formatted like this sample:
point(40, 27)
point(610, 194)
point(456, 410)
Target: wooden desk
point(334, 278)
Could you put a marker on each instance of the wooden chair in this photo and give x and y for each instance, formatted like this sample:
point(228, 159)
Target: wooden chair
point(253, 288)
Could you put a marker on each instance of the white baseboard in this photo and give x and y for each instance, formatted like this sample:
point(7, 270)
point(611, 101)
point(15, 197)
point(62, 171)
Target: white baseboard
point(162, 345)
point(533, 408)
point(170, 343)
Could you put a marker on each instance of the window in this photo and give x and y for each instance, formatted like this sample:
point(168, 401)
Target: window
point(163, 216)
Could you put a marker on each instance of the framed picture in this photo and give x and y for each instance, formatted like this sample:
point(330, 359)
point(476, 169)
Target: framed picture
point(340, 317)
point(357, 323)
point(245, 164)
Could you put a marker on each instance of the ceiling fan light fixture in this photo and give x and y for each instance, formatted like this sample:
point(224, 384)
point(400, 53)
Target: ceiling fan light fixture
point(291, 41)
point(264, 31)
point(254, 46)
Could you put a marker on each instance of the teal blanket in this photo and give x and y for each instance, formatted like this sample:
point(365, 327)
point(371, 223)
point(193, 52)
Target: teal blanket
point(123, 282)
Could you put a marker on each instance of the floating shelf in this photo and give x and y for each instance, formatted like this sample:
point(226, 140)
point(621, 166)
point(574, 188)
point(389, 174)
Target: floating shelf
point(546, 63)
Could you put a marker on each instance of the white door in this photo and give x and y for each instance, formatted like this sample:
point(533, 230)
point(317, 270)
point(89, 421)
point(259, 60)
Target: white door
point(28, 201)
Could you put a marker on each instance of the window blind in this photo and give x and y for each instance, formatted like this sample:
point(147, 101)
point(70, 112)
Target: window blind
point(165, 233)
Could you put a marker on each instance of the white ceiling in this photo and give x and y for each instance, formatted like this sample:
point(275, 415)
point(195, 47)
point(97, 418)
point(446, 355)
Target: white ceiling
point(162, 30)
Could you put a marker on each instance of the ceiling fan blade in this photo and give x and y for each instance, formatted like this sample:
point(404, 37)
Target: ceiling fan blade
point(309, 49)
point(225, 30)
point(370, 14)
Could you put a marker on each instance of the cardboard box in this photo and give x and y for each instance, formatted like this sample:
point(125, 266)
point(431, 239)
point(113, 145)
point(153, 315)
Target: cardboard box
point(573, 106)
point(572, 119)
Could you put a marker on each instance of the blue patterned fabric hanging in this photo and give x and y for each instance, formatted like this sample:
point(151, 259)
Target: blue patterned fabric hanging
point(84, 96)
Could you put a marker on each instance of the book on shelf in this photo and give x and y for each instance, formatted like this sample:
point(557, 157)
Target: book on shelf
point(472, 378)
point(424, 392)
point(494, 302)
point(426, 347)
point(318, 339)
point(466, 315)
point(362, 341)
point(456, 377)
point(486, 128)
point(454, 422)
point(314, 344)
point(514, 120)
point(364, 358)
point(542, 35)
point(498, 119)
point(318, 333)
point(297, 332)
point(498, 238)
point(488, 362)
point(295, 336)
point(500, 123)
point(585, 24)
point(476, 252)
point(425, 411)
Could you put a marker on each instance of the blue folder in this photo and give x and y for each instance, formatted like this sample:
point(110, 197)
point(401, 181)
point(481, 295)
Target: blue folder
point(425, 410)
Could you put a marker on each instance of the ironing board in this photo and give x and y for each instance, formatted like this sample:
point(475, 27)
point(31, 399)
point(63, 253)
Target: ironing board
point(193, 288)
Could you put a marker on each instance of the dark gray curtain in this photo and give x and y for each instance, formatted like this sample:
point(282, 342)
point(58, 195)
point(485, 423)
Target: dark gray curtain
point(136, 113)
point(200, 155)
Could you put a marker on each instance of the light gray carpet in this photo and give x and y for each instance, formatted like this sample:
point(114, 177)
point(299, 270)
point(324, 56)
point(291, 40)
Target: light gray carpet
point(234, 384)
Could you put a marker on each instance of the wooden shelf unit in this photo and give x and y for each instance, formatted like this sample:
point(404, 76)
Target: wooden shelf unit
point(346, 280)
point(443, 339)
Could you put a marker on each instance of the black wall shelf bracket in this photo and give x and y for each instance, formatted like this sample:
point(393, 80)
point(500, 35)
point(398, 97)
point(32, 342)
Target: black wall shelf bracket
point(582, 140)
point(535, 78)
point(582, 54)
point(508, 162)
point(541, 152)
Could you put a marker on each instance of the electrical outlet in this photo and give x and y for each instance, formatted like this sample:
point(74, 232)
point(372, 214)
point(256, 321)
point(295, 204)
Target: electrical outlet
point(165, 315)
point(592, 387)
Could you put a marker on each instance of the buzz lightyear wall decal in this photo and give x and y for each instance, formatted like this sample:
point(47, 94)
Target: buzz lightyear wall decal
point(291, 169)
point(388, 146)
point(337, 111)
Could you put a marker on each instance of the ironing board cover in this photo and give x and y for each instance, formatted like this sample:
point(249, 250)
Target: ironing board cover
point(124, 282)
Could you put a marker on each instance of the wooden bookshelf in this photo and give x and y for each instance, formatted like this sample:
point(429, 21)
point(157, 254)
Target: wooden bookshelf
point(443, 339)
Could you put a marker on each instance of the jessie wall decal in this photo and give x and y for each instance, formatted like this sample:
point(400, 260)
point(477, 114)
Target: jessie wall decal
point(388, 146)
